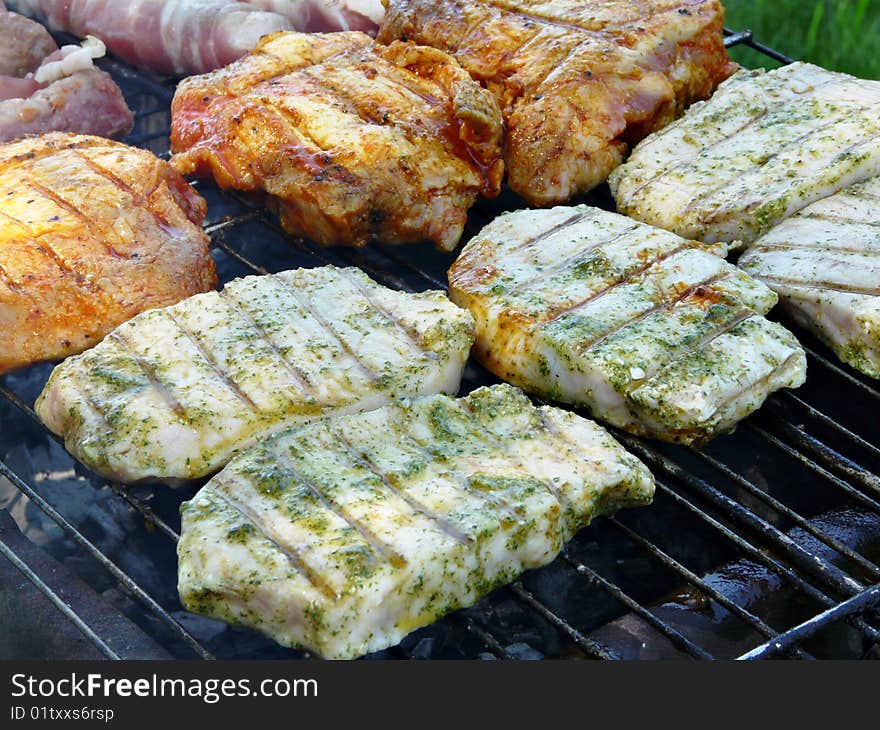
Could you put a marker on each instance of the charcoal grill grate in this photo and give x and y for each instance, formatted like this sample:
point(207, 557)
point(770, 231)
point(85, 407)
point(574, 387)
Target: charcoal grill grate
point(789, 505)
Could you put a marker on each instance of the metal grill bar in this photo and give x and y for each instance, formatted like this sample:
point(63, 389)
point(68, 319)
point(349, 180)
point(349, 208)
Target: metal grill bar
point(57, 601)
point(832, 459)
point(585, 644)
point(838, 371)
point(671, 633)
point(761, 557)
point(782, 509)
point(829, 574)
point(851, 607)
point(850, 491)
point(817, 415)
point(756, 623)
point(120, 575)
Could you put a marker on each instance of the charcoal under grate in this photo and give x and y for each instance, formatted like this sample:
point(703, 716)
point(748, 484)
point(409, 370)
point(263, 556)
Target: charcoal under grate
point(764, 543)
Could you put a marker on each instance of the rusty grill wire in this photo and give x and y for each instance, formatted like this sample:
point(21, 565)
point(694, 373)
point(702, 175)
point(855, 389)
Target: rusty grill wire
point(709, 500)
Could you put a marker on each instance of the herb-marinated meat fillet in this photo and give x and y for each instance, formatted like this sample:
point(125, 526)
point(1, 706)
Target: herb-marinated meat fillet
point(176, 392)
point(578, 81)
point(353, 141)
point(764, 146)
point(651, 332)
point(92, 232)
point(824, 263)
point(344, 536)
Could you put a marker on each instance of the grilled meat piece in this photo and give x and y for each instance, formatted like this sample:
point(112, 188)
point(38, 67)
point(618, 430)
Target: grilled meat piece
point(91, 233)
point(578, 82)
point(65, 94)
point(25, 44)
point(652, 333)
point(824, 263)
point(168, 36)
point(176, 392)
point(764, 146)
point(344, 536)
point(352, 141)
point(87, 102)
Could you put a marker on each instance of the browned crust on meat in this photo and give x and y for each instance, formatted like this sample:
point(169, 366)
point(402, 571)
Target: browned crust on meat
point(92, 232)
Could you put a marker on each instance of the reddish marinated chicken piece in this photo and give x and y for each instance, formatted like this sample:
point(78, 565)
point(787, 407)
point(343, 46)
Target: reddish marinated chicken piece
point(353, 141)
point(578, 81)
point(168, 36)
point(92, 232)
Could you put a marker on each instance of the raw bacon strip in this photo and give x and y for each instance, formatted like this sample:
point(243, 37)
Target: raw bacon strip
point(168, 36)
point(316, 16)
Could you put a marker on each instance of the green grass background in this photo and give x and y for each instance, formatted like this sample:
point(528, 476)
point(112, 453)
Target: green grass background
point(843, 35)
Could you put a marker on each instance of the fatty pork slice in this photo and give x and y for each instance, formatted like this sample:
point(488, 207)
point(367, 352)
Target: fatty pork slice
point(650, 332)
point(169, 36)
point(344, 536)
point(824, 263)
point(353, 141)
point(25, 44)
point(66, 93)
point(175, 393)
point(763, 147)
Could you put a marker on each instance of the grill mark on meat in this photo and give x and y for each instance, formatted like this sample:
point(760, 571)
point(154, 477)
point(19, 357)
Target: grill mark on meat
point(479, 22)
point(35, 155)
point(424, 451)
point(328, 328)
point(709, 193)
point(91, 402)
point(486, 438)
point(756, 386)
point(829, 285)
point(357, 107)
point(162, 390)
point(139, 199)
point(308, 157)
point(614, 284)
point(560, 434)
point(397, 74)
point(300, 376)
point(11, 284)
point(206, 355)
point(292, 556)
point(570, 260)
point(378, 545)
point(659, 307)
point(99, 236)
point(534, 18)
point(82, 278)
point(863, 195)
point(410, 335)
point(685, 352)
point(543, 235)
point(822, 248)
point(439, 520)
point(680, 163)
point(840, 219)
point(666, 11)
point(561, 66)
